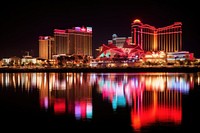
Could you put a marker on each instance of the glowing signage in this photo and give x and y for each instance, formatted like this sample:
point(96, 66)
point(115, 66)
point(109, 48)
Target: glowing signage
point(83, 29)
point(46, 37)
point(77, 28)
point(89, 29)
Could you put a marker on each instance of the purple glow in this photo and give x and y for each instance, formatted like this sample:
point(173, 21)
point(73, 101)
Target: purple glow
point(77, 111)
point(46, 103)
point(77, 28)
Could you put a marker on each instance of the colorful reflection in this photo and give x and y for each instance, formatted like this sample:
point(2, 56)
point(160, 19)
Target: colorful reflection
point(155, 106)
point(153, 97)
point(58, 92)
point(68, 93)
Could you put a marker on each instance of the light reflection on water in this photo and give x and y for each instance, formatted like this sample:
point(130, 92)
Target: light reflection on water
point(151, 97)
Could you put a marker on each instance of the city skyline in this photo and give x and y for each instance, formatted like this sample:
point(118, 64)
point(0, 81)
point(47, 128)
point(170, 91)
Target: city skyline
point(22, 25)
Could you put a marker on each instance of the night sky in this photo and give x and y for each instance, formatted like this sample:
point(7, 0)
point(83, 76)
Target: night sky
point(23, 22)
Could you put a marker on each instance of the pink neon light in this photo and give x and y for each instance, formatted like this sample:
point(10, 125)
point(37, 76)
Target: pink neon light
point(44, 102)
point(83, 29)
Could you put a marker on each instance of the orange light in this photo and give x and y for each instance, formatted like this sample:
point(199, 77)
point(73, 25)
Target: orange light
point(137, 21)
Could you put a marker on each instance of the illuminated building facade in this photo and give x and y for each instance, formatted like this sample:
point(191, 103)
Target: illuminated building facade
point(119, 41)
point(112, 51)
point(46, 47)
point(172, 57)
point(149, 38)
point(76, 41)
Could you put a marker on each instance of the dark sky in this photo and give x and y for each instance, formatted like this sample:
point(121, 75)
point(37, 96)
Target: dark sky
point(23, 22)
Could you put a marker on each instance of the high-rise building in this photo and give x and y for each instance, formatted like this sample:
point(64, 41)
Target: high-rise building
point(46, 47)
point(76, 41)
point(168, 39)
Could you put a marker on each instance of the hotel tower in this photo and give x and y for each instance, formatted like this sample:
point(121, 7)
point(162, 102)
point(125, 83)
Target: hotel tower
point(76, 41)
point(46, 47)
point(149, 38)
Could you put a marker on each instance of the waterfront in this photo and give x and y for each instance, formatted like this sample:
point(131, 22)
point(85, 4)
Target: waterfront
point(166, 68)
point(93, 102)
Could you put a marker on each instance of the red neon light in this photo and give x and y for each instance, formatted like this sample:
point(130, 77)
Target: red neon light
point(83, 109)
point(163, 114)
point(59, 106)
point(59, 31)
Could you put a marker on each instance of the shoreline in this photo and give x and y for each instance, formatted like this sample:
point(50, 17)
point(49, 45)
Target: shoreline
point(104, 70)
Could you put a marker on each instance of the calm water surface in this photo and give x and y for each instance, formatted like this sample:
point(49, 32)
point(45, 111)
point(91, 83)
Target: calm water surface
point(100, 102)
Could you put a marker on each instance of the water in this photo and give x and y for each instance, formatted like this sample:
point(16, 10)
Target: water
point(100, 102)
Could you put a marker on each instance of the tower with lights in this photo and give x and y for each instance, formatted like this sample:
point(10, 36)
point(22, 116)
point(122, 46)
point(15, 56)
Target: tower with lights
point(149, 38)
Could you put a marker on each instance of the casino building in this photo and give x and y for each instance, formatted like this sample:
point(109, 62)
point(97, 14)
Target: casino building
point(147, 42)
point(149, 38)
point(46, 47)
point(75, 41)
